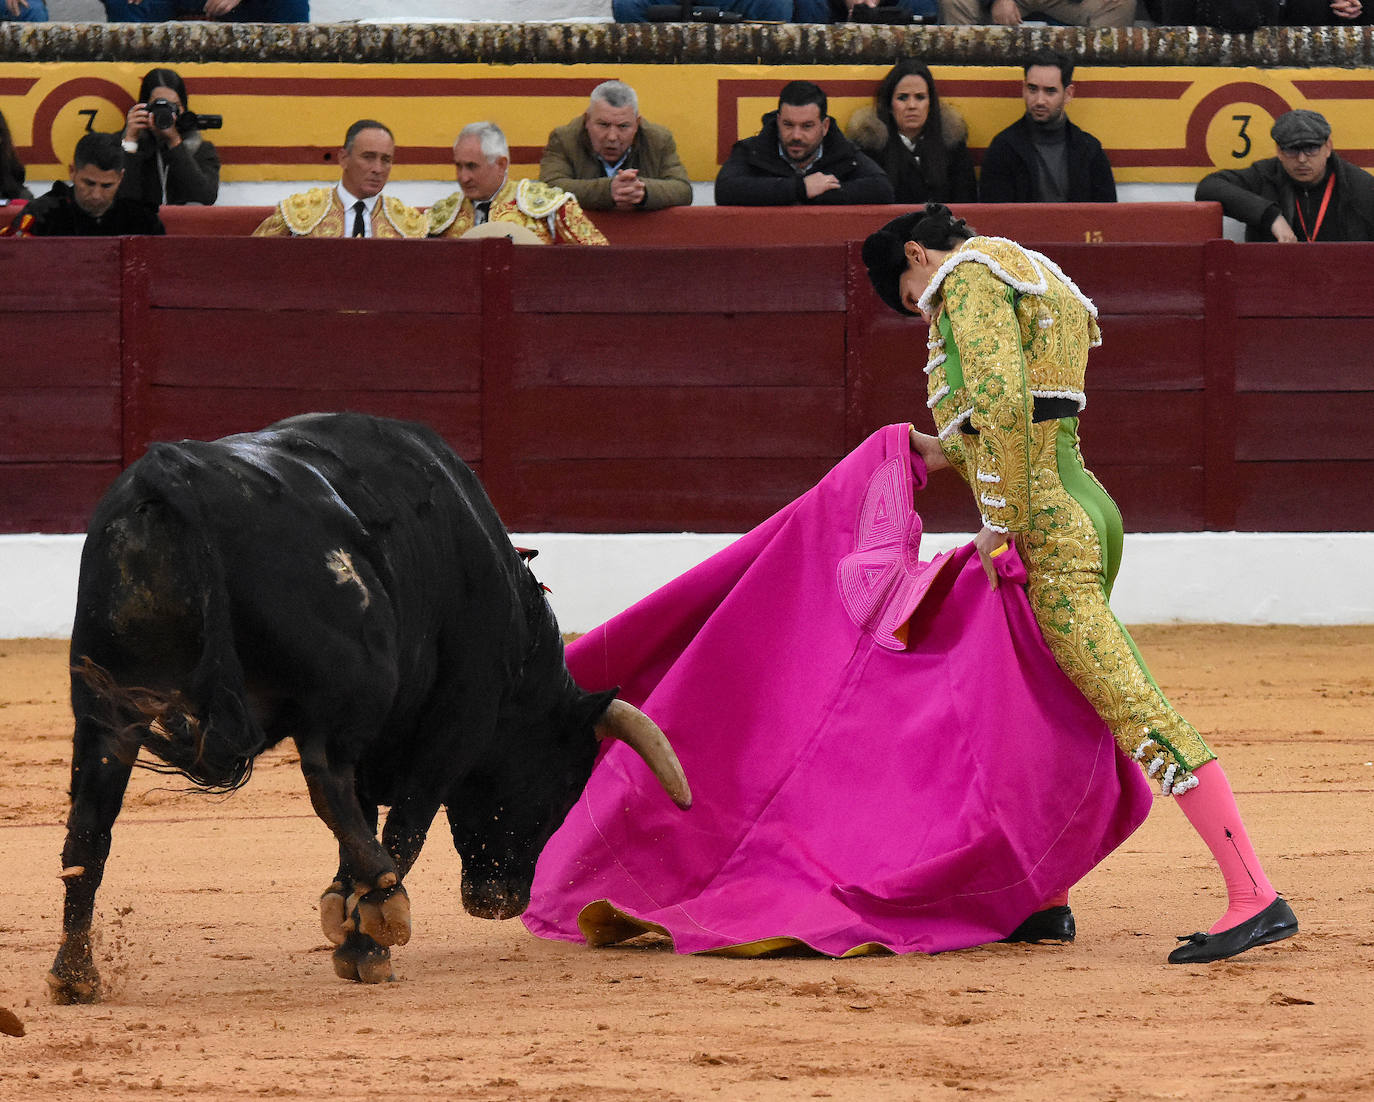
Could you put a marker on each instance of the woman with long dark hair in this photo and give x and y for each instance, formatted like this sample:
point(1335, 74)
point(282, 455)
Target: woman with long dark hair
point(921, 143)
point(166, 161)
point(11, 169)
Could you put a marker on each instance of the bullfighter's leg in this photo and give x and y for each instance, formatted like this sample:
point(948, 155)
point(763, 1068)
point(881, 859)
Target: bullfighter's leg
point(99, 780)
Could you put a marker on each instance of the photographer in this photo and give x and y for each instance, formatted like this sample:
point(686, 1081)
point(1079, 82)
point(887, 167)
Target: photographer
point(166, 160)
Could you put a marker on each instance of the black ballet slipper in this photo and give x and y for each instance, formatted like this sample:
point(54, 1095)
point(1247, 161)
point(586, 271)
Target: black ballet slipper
point(1051, 924)
point(1274, 923)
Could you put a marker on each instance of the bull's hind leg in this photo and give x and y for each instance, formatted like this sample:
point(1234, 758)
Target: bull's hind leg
point(99, 779)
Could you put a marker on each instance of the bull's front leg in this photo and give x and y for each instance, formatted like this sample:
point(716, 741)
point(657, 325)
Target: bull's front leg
point(99, 780)
point(365, 909)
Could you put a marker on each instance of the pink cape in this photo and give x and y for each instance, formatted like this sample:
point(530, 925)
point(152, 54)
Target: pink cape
point(852, 789)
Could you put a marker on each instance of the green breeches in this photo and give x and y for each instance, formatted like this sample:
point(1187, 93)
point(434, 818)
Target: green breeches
point(1072, 551)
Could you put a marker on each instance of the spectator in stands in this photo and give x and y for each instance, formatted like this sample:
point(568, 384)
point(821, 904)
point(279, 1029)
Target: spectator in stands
point(166, 159)
point(840, 11)
point(1011, 13)
point(90, 205)
point(23, 11)
point(11, 168)
point(800, 156)
point(1326, 13)
point(481, 162)
point(1043, 157)
point(231, 11)
point(611, 159)
point(355, 207)
point(1306, 193)
point(920, 142)
point(763, 11)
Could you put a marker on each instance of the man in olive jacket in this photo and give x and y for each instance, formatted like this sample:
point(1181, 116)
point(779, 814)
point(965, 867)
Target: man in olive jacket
point(1306, 193)
point(611, 159)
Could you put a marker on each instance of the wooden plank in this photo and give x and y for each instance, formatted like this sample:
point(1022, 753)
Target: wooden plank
point(1150, 280)
point(678, 422)
point(60, 424)
point(1148, 352)
point(1305, 354)
point(208, 413)
point(1219, 428)
point(1315, 496)
point(314, 349)
point(786, 279)
point(1334, 280)
point(271, 274)
point(1167, 425)
point(51, 497)
point(60, 274)
point(656, 495)
point(67, 347)
point(611, 349)
point(1297, 427)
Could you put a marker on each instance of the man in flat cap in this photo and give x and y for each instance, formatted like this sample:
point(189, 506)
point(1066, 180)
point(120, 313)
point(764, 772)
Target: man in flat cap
point(1306, 193)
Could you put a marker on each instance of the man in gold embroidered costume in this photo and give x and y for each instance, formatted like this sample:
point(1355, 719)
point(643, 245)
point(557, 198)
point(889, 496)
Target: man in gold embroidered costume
point(355, 207)
point(481, 162)
point(1006, 359)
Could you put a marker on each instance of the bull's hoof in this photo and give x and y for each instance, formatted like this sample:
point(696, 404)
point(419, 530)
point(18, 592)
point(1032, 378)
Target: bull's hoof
point(363, 960)
point(74, 990)
point(382, 914)
point(334, 915)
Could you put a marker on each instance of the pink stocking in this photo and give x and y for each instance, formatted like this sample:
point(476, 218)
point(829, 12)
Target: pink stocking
point(1211, 808)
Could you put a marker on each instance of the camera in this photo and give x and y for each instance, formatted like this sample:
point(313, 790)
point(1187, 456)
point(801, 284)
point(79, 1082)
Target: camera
point(165, 114)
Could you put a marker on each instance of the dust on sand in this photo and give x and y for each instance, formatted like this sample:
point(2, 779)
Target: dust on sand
point(219, 982)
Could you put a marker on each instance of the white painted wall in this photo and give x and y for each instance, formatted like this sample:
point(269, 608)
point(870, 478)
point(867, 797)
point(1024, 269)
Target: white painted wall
point(1217, 577)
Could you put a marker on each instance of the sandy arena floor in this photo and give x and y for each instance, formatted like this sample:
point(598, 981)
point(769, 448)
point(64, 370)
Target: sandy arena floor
point(220, 986)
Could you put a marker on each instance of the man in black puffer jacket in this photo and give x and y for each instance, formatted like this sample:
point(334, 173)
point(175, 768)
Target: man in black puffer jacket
point(800, 156)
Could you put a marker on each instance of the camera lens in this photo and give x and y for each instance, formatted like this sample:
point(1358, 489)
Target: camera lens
point(163, 112)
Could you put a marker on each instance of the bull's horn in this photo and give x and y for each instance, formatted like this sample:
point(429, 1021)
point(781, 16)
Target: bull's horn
point(628, 724)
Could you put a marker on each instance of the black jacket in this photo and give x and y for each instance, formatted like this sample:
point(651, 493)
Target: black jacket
point(1009, 167)
point(57, 215)
point(938, 170)
point(1258, 194)
point(192, 172)
point(758, 175)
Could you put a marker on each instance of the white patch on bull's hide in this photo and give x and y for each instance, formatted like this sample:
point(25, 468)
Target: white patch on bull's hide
point(341, 566)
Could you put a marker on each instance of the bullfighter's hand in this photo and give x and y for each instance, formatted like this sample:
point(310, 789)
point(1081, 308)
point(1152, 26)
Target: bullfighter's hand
point(928, 448)
point(989, 542)
point(627, 189)
point(1282, 231)
point(818, 183)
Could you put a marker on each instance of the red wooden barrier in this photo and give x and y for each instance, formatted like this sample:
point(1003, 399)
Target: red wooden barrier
point(673, 388)
point(1071, 223)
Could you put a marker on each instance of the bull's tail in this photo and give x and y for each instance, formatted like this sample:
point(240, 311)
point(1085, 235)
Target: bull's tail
point(203, 728)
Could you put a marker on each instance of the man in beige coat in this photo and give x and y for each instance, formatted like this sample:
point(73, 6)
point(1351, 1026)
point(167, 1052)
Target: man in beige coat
point(611, 159)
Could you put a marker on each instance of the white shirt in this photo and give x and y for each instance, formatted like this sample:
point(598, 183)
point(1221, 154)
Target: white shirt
point(348, 200)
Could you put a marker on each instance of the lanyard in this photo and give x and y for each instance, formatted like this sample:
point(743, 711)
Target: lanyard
point(1326, 198)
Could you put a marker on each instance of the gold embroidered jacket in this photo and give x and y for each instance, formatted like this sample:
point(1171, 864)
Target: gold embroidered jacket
point(552, 213)
point(1008, 327)
point(319, 213)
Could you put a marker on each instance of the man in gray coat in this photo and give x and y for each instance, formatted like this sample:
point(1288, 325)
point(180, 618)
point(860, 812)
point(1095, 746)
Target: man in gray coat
point(611, 159)
point(1306, 193)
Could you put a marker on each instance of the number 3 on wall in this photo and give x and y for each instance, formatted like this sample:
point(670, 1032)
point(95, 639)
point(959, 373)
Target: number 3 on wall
point(1244, 151)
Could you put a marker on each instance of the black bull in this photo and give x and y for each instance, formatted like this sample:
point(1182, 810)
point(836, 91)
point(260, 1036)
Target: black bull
point(345, 582)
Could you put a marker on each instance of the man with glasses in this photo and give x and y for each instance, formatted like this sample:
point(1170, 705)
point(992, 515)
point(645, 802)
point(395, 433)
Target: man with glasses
point(1306, 193)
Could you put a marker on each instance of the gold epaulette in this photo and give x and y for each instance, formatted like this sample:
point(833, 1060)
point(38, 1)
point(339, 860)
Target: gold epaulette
point(440, 216)
point(538, 199)
point(306, 210)
point(406, 220)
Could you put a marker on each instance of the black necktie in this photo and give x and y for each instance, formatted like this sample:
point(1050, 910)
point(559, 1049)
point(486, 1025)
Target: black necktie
point(481, 209)
point(359, 230)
